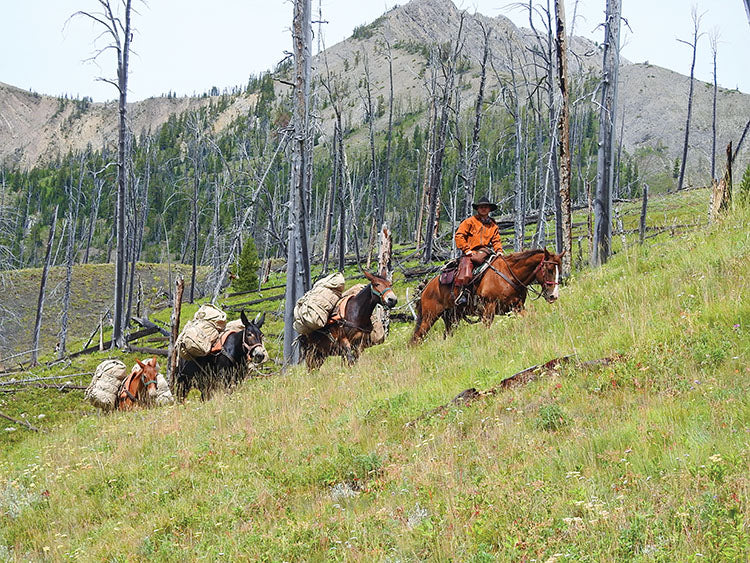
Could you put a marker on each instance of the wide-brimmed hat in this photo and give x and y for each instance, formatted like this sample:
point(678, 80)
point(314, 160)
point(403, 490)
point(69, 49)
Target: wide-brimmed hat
point(484, 201)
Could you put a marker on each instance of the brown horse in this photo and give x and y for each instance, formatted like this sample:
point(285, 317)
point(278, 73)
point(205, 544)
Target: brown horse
point(501, 289)
point(349, 334)
point(139, 388)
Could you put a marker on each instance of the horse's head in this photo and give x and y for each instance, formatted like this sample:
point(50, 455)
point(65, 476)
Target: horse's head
point(149, 371)
point(383, 288)
point(548, 275)
point(252, 339)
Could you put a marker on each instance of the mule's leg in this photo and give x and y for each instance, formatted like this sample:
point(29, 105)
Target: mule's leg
point(314, 358)
point(346, 350)
point(181, 389)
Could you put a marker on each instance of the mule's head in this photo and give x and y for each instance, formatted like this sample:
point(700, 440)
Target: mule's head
point(383, 288)
point(149, 371)
point(548, 275)
point(252, 340)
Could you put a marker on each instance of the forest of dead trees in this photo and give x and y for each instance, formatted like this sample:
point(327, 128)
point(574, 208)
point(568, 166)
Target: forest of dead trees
point(196, 197)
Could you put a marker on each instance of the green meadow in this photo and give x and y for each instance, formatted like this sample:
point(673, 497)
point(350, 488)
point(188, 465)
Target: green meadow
point(646, 458)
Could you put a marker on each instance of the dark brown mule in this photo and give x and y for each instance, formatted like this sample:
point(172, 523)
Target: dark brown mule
point(139, 388)
point(348, 335)
point(502, 288)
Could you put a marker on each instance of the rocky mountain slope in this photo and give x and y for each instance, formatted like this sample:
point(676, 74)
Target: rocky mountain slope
point(36, 128)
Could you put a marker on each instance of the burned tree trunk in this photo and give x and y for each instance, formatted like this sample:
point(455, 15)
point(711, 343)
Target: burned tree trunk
point(602, 243)
point(117, 29)
point(42, 289)
point(694, 46)
point(298, 261)
point(471, 173)
point(564, 133)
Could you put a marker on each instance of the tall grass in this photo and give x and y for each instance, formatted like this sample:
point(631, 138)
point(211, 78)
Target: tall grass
point(645, 459)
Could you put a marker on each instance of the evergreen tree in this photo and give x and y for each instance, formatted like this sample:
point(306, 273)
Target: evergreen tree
point(247, 268)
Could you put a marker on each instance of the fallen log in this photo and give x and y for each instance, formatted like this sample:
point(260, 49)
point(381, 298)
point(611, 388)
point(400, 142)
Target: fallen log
point(48, 378)
point(261, 290)
point(241, 306)
point(146, 323)
point(149, 351)
point(65, 387)
point(468, 396)
point(20, 422)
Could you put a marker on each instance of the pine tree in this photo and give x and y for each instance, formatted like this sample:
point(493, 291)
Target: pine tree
point(247, 268)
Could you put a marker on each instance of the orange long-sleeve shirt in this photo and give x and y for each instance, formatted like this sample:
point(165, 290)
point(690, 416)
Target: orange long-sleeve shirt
point(473, 234)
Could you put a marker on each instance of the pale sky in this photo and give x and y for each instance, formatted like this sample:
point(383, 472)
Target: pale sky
point(186, 47)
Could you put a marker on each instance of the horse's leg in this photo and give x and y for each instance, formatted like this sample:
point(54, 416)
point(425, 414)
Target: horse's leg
point(449, 317)
point(431, 306)
point(488, 315)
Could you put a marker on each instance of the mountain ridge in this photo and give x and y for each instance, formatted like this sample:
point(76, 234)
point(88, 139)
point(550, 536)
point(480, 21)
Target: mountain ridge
point(36, 129)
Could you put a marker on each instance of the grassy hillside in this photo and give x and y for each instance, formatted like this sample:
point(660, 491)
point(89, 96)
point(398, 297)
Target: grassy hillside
point(646, 458)
point(91, 294)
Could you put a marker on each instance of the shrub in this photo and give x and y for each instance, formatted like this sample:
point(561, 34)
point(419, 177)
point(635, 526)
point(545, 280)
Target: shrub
point(247, 268)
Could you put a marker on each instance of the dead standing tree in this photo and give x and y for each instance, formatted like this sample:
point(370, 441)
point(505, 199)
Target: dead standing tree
point(298, 261)
point(42, 289)
point(511, 99)
point(694, 46)
point(602, 241)
point(436, 172)
point(714, 38)
point(473, 157)
point(118, 31)
point(564, 136)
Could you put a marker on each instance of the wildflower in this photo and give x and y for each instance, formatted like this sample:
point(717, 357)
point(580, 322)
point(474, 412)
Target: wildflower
point(716, 458)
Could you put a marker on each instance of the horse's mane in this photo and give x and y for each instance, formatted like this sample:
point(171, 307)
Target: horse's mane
point(523, 255)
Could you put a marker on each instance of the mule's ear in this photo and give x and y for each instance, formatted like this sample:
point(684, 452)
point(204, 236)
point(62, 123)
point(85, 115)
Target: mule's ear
point(368, 275)
point(259, 319)
point(562, 254)
point(153, 361)
point(244, 319)
point(546, 253)
point(140, 363)
point(383, 273)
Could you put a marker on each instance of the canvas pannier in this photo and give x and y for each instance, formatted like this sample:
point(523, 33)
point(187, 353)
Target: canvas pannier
point(102, 391)
point(312, 310)
point(163, 394)
point(199, 334)
point(213, 315)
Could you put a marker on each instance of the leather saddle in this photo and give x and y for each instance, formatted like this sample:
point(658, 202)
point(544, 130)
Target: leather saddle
point(480, 261)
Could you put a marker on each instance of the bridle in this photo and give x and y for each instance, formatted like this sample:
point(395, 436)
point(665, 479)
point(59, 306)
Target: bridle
point(380, 294)
point(527, 286)
point(145, 384)
point(250, 348)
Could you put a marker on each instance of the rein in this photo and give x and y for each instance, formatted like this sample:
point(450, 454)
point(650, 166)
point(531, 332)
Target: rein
point(527, 286)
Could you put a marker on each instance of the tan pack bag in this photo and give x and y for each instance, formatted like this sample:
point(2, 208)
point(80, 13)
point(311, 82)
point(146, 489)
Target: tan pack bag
point(196, 339)
point(312, 310)
point(213, 315)
point(163, 394)
point(102, 391)
point(199, 334)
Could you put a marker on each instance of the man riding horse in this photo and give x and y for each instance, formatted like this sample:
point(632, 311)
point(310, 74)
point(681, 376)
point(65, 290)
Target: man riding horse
point(477, 238)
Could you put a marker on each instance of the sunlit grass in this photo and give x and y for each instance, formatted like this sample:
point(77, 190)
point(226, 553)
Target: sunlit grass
point(646, 458)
